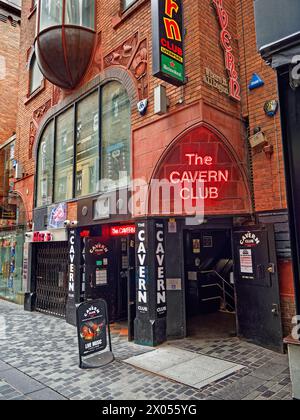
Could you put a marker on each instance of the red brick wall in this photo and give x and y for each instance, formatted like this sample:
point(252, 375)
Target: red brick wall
point(9, 52)
point(269, 182)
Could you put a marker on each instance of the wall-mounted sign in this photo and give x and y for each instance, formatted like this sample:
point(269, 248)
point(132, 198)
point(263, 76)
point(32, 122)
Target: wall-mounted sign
point(230, 62)
point(57, 216)
point(217, 82)
point(42, 237)
point(250, 240)
point(168, 41)
point(98, 249)
point(271, 107)
point(122, 230)
point(256, 82)
point(160, 270)
point(101, 208)
point(8, 212)
point(72, 266)
point(142, 271)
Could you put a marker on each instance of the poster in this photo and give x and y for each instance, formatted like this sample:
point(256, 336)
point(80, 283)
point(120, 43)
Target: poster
point(246, 261)
point(92, 327)
point(207, 242)
point(57, 216)
point(196, 246)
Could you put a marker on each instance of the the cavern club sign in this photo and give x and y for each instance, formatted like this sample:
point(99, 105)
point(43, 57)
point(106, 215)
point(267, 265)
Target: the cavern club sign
point(201, 173)
point(168, 41)
point(226, 42)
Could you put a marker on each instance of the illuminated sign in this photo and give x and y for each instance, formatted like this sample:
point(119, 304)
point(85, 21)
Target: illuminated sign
point(226, 38)
point(198, 173)
point(168, 41)
point(199, 170)
point(42, 237)
point(122, 230)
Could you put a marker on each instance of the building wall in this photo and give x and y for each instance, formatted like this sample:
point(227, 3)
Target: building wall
point(9, 67)
point(125, 41)
point(268, 172)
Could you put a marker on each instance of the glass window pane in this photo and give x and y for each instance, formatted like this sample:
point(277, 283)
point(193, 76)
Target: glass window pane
point(51, 13)
point(128, 3)
point(36, 76)
point(115, 125)
point(87, 167)
point(45, 167)
point(63, 185)
point(81, 13)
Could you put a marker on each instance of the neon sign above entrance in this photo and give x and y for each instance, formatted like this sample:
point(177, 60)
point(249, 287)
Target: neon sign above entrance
point(199, 170)
point(226, 37)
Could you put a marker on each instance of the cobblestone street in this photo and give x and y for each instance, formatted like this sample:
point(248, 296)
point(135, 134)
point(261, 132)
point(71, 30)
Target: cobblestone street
point(39, 360)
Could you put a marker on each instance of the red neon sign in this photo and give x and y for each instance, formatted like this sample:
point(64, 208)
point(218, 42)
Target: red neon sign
point(234, 85)
point(122, 230)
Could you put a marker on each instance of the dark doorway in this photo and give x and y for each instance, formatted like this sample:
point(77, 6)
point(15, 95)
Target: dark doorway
point(111, 276)
point(126, 285)
point(210, 293)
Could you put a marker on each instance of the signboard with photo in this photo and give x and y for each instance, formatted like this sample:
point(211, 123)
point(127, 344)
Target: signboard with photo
point(93, 334)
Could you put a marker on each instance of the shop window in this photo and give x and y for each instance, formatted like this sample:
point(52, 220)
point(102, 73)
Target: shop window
point(35, 76)
point(51, 12)
point(64, 157)
point(87, 138)
point(115, 135)
point(80, 13)
point(45, 167)
point(11, 253)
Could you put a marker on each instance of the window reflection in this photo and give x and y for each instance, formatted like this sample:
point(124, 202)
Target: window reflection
point(115, 151)
point(81, 13)
point(50, 13)
point(114, 118)
point(45, 167)
point(87, 167)
point(63, 183)
point(35, 75)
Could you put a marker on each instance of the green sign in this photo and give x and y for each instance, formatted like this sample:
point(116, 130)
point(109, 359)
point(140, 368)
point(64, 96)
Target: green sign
point(172, 67)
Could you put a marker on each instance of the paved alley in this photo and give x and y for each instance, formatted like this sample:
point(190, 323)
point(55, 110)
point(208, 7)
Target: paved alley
point(39, 360)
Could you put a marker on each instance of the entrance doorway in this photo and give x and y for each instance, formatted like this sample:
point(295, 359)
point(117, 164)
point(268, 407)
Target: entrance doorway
point(126, 284)
point(51, 276)
point(110, 275)
point(210, 291)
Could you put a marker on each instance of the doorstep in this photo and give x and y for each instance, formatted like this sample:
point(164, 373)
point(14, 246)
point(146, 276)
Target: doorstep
point(185, 367)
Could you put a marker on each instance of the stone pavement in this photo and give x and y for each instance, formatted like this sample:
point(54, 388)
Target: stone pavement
point(39, 360)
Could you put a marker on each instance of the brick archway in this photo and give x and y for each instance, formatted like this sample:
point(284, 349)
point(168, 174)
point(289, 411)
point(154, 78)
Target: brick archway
point(201, 164)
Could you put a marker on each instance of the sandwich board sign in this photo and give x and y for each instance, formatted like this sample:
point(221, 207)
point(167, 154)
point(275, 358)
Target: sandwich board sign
point(94, 340)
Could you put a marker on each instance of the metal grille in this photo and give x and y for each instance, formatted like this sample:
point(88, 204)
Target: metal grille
point(51, 278)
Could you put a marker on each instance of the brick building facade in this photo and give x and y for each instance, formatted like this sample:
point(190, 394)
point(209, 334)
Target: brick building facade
point(200, 109)
point(11, 248)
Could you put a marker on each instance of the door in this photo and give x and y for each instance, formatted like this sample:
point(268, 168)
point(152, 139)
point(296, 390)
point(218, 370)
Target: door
point(131, 288)
point(52, 278)
point(257, 287)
